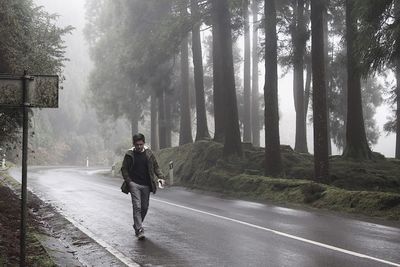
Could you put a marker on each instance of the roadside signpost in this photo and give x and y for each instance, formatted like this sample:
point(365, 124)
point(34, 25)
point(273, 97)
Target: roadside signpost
point(41, 91)
point(24, 92)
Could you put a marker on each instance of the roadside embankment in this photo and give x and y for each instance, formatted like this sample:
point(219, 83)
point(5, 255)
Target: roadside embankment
point(370, 188)
point(9, 230)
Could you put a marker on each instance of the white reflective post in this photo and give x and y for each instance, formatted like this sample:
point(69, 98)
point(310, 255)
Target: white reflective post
point(113, 170)
point(171, 172)
point(87, 162)
point(3, 161)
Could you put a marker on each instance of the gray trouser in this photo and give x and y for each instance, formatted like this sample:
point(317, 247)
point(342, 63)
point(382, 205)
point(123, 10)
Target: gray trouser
point(140, 195)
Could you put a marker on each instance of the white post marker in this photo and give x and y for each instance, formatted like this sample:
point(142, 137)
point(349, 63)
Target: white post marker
point(87, 162)
point(113, 170)
point(171, 172)
point(3, 161)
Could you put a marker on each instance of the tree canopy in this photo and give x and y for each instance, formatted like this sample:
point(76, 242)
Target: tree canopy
point(30, 40)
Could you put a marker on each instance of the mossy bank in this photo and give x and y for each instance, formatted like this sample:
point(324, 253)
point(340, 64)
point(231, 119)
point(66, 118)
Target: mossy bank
point(371, 188)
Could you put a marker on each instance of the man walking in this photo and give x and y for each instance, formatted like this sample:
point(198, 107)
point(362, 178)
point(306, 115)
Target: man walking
point(141, 172)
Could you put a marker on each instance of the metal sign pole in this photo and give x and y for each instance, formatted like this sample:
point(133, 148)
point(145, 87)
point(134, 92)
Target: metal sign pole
point(38, 91)
point(24, 170)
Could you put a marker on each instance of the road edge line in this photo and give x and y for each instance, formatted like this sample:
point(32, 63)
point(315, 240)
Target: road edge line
point(119, 255)
point(319, 244)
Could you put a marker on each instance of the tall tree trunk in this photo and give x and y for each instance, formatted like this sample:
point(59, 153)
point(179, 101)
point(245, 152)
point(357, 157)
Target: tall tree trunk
point(321, 163)
point(307, 87)
point(134, 112)
point(162, 124)
point(397, 92)
point(218, 86)
point(134, 115)
point(356, 141)
point(168, 119)
point(397, 155)
point(154, 123)
point(273, 165)
point(134, 125)
point(232, 142)
point(298, 66)
point(327, 77)
point(201, 115)
point(246, 76)
point(307, 90)
point(255, 101)
point(185, 132)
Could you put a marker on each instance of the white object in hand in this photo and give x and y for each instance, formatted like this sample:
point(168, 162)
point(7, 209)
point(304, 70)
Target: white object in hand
point(161, 183)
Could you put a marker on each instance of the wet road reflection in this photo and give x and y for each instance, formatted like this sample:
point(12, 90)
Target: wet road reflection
point(185, 228)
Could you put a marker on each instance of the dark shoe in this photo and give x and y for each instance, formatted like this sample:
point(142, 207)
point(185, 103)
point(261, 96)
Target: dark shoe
point(140, 234)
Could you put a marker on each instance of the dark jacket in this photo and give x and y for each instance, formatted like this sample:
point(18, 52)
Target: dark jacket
point(154, 170)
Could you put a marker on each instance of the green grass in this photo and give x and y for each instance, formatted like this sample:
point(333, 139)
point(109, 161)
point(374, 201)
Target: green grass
point(36, 253)
point(382, 175)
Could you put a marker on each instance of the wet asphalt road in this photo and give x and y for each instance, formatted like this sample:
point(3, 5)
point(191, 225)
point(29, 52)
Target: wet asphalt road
point(185, 228)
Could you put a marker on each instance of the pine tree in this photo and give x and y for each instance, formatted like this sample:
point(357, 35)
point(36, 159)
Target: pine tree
point(356, 140)
point(273, 165)
point(321, 163)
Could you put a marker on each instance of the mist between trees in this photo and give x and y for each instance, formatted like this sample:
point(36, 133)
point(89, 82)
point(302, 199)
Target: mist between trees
point(175, 70)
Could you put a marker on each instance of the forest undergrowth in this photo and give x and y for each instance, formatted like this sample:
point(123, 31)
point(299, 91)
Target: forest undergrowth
point(370, 188)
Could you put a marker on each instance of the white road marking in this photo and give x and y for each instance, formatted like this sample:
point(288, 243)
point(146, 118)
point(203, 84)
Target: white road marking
point(345, 251)
point(131, 263)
